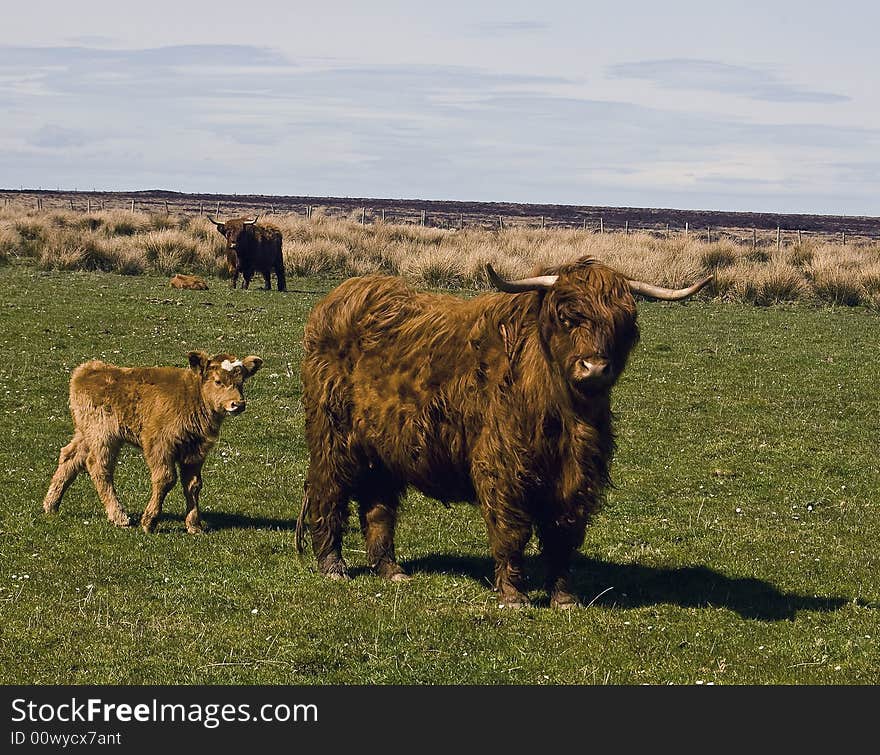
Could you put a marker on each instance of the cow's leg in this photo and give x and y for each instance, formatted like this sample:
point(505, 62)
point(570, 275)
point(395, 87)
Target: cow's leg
point(509, 533)
point(234, 282)
point(378, 514)
point(326, 506)
point(71, 461)
point(162, 476)
point(101, 461)
point(266, 275)
point(279, 273)
point(558, 545)
point(246, 280)
point(191, 481)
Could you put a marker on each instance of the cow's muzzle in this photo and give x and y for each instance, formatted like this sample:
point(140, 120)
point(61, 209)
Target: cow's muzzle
point(592, 371)
point(235, 407)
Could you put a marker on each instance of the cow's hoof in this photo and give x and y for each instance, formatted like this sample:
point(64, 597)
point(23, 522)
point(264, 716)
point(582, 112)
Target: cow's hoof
point(514, 601)
point(400, 576)
point(563, 601)
point(122, 520)
point(338, 576)
point(196, 529)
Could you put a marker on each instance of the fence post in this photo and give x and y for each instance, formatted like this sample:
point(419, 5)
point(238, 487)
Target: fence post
point(667, 230)
point(685, 228)
point(754, 238)
point(844, 236)
point(708, 234)
point(500, 223)
point(132, 205)
point(89, 206)
point(166, 206)
point(201, 209)
point(799, 237)
point(363, 215)
point(626, 227)
point(423, 218)
point(778, 238)
point(308, 212)
point(71, 203)
point(218, 209)
point(542, 222)
point(460, 220)
point(601, 225)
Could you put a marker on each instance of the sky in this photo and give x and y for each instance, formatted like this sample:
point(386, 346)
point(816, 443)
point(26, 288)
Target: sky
point(754, 106)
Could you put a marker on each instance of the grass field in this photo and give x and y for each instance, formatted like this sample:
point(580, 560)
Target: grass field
point(739, 545)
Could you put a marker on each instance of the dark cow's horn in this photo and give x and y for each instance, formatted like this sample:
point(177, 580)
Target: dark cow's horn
point(541, 282)
point(667, 294)
point(251, 222)
point(215, 222)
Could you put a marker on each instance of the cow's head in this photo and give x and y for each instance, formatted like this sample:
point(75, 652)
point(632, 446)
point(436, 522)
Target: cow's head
point(587, 318)
point(223, 377)
point(234, 231)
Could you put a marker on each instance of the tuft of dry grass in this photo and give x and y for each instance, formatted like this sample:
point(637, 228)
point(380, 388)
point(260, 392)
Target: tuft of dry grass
point(137, 242)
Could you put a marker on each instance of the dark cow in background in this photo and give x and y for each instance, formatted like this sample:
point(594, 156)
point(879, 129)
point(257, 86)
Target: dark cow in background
point(252, 248)
point(502, 400)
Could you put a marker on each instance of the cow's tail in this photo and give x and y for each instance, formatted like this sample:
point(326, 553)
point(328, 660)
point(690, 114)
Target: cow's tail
point(301, 522)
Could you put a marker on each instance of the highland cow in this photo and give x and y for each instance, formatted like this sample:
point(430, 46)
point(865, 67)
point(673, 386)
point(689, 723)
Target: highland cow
point(252, 248)
point(173, 414)
point(502, 400)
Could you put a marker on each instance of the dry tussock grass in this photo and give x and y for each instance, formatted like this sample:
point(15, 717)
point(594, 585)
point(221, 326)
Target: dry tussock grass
point(137, 242)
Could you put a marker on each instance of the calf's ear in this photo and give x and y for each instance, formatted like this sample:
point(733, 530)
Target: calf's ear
point(251, 364)
point(198, 360)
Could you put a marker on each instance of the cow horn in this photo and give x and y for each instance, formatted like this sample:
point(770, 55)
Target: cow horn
point(541, 283)
point(667, 294)
point(251, 222)
point(215, 222)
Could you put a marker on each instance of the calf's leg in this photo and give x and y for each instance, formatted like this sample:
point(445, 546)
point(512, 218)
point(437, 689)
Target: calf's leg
point(71, 461)
point(101, 461)
point(191, 481)
point(162, 476)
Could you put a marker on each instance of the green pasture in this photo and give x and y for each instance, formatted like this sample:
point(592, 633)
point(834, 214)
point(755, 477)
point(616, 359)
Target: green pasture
point(738, 546)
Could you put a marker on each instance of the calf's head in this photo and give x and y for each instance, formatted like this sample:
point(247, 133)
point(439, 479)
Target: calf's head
point(222, 380)
point(587, 319)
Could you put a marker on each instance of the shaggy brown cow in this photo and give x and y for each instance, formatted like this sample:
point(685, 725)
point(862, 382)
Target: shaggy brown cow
point(173, 414)
point(502, 399)
point(252, 248)
point(193, 282)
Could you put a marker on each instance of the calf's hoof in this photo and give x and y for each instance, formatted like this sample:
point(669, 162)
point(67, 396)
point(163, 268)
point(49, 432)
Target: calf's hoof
point(198, 528)
point(148, 525)
point(121, 519)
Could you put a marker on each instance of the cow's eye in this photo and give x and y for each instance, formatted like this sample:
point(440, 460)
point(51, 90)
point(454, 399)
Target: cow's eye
point(567, 324)
point(218, 382)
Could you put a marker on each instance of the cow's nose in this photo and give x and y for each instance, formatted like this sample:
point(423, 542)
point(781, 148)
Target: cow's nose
point(594, 368)
point(237, 407)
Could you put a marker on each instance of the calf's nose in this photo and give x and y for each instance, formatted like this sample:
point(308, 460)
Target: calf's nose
point(594, 368)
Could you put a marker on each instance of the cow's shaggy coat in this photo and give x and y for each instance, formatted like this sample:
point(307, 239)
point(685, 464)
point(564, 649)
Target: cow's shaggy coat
point(173, 414)
point(502, 399)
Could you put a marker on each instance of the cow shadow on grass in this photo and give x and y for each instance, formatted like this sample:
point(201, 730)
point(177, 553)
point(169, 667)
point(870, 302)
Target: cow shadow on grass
point(218, 520)
point(635, 585)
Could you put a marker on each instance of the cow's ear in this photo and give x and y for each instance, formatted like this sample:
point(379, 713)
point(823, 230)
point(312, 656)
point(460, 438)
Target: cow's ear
point(198, 361)
point(251, 364)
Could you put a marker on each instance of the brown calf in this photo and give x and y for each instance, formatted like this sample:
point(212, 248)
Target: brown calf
point(173, 414)
point(193, 282)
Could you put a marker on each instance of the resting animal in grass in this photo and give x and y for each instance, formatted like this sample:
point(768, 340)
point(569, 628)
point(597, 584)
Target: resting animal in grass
point(173, 414)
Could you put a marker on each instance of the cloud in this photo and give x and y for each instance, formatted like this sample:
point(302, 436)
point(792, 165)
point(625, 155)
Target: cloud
point(57, 137)
point(723, 78)
point(508, 28)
